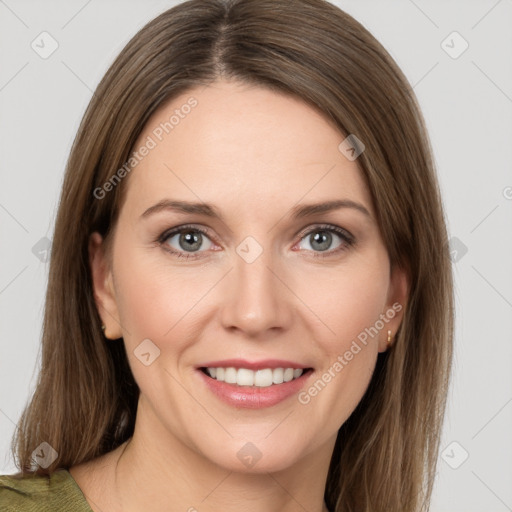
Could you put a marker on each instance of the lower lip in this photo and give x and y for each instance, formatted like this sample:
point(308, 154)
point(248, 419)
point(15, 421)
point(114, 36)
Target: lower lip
point(253, 397)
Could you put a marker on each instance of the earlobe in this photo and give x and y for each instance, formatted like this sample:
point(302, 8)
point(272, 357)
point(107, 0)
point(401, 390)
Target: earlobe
point(395, 307)
point(103, 289)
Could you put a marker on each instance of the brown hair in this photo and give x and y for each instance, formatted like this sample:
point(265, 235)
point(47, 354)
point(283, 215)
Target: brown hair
point(85, 401)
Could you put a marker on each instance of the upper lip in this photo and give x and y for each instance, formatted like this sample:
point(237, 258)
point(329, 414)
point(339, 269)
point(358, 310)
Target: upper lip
point(253, 365)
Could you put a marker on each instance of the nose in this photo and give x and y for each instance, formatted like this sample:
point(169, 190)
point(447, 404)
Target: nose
point(257, 301)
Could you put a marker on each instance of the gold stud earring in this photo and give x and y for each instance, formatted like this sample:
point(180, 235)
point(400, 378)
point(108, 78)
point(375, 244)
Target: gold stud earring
point(389, 339)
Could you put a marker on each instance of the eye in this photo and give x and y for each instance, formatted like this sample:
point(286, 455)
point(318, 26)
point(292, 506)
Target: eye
point(191, 241)
point(185, 241)
point(321, 238)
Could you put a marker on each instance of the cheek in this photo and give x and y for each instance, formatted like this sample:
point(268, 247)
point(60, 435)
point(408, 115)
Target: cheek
point(158, 301)
point(347, 301)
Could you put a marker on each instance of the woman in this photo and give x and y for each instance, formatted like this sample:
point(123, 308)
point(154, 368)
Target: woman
point(250, 294)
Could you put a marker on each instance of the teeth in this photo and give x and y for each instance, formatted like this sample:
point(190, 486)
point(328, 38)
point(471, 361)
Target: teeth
point(245, 377)
point(263, 378)
point(277, 376)
point(230, 375)
point(259, 378)
point(288, 374)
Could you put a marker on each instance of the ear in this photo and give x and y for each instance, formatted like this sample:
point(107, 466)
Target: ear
point(395, 306)
point(103, 288)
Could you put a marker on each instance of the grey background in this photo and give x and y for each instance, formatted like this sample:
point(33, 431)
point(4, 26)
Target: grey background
point(467, 103)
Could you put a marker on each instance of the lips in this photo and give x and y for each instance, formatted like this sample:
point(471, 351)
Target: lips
point(253, 365)
point(250, 384)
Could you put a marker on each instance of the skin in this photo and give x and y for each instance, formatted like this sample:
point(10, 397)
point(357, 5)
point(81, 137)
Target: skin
point(254, 154)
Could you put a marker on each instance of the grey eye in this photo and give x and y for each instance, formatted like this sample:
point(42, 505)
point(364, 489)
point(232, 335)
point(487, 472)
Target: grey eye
point(188, 240)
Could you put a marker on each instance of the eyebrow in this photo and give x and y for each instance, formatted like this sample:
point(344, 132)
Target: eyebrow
point(297, 212)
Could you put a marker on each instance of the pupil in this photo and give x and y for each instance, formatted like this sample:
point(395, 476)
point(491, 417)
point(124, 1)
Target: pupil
point(323, 238)
point(190, 241)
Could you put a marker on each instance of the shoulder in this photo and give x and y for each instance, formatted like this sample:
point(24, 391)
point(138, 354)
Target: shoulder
point(41, 493)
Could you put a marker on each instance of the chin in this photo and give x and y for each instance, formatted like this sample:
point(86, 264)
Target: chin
point(260, 456)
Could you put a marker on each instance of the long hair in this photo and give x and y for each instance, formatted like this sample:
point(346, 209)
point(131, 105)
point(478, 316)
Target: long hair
point(85, 401)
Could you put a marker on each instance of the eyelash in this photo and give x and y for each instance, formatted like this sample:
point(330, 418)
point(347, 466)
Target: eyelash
point(347, 238)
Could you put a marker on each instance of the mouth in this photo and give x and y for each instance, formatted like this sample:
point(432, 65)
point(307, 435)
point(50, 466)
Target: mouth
point(253, 385)
point(261, 378)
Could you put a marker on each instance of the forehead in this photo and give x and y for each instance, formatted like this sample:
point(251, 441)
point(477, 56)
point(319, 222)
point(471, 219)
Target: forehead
point(244, 146)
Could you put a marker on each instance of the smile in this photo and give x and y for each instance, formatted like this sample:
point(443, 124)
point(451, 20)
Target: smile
point(253, 385)
point(264, 377)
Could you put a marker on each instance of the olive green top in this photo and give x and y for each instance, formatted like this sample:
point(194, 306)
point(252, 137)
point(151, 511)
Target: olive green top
point(31, 493)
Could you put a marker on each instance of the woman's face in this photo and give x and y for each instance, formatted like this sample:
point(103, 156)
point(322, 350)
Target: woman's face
point(220, 260)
